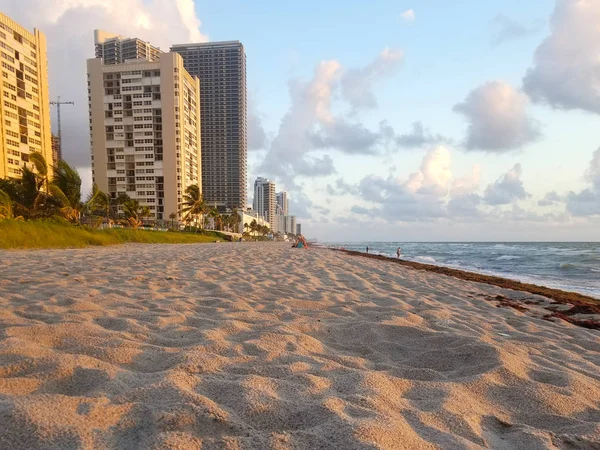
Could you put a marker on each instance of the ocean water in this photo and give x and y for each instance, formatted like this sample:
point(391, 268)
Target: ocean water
point(568, 266)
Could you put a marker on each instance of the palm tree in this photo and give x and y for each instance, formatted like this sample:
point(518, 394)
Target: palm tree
point(98, 203)
point(193, 203)
point(216, 218)
point(34, 196)
point(30, 199)
point(41, 166)
point(65, 190)
point(144, 212)
point(173, 216)
point(235, 221)
point(132, 210)
point(253, 226)
point(6, 209)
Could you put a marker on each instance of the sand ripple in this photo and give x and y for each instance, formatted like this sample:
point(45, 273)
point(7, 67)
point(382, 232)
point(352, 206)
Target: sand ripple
point(263, 346)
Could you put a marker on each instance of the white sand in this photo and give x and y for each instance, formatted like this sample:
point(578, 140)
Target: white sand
point(264, 346)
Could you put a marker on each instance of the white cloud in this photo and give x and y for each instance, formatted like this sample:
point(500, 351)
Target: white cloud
point(434, 175)
point(506, 189)
point(593, 173)
point(566, 67)
point(498, 118)
point(587, 202)
point(408, 15)
point(419, 136)
point(309, 126)
point(311, 105)
point(69, 25)
point(357, 84)
point(420, 197)
point(257, 137)
point(549, 199)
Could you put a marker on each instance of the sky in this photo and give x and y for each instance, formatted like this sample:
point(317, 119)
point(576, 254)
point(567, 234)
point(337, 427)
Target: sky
point(420, 120)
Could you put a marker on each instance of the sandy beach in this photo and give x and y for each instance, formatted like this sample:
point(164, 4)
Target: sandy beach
point(252, 345)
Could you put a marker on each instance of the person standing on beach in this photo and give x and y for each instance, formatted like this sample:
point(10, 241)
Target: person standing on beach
point(367, 249)
point(398, 253)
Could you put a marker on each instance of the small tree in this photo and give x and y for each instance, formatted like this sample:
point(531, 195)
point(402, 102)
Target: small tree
point(132, 211)
point(194, 206)
point(6, 209)
point(173, 216)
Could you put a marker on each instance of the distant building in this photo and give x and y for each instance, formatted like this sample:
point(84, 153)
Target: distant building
point(282, 201)
point(290, 224)
point(145, 131)
point(25, 105)
point(264, 199)
point(298, 229)
point(115, 49)
point(278, 224)
point(221, 67)
point(56, 152)
point(247, 217)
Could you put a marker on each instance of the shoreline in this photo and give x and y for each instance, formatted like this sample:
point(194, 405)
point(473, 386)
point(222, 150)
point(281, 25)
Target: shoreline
point(580, 304)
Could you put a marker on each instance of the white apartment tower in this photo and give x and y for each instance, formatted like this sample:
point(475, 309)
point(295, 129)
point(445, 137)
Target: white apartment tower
point(282, 200)
point(289, 224)
point(115, 49)
point(264, 199)
point(145, 131)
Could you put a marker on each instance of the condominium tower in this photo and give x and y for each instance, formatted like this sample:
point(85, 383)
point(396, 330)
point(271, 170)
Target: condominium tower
point(221, 67)
point(282, 207)
point(145, 131)
point(264, 199)
point(115, 49)
point(24, 105)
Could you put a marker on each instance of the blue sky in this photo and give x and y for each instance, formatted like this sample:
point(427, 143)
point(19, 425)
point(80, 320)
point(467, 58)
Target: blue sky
point(449, 50)
point(505, 91)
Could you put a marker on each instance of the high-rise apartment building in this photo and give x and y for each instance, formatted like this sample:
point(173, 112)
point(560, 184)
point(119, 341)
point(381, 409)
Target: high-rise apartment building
point(145, 131)
point(24, 100)
point(298, 229)
point(282, 200)
point(290, 224)
point(264, 199)
point(221, 67)
point(115, 49)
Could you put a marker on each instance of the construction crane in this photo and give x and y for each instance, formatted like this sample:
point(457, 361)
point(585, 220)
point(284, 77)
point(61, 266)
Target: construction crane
point(57, 103)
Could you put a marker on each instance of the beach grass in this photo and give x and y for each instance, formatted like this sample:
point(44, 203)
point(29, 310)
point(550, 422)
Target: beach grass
point(32, 234)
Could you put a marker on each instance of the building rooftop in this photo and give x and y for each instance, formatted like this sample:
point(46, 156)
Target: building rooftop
point(207, 44)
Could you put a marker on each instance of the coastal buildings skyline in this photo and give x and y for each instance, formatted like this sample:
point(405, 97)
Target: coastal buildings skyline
point(25, 103)
point(145, 131)
point(221, 68)
point(130, 121)
point(327, 151)
point(273, 206)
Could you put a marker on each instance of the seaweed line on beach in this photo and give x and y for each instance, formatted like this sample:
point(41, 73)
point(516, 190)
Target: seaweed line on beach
point(578, 303)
